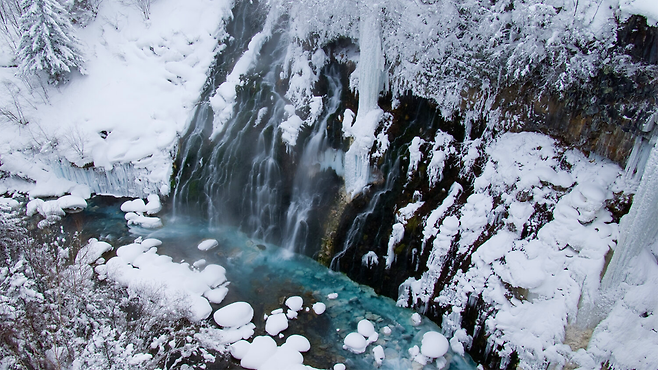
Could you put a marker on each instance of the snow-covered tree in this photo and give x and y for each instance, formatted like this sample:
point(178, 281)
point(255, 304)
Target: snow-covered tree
point(47, 42)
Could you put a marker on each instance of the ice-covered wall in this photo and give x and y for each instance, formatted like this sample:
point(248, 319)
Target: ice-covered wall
point(123, 180)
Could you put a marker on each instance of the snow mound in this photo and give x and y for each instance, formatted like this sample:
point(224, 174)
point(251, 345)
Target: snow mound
point(434, 345)
point(207, 244)
point(234, 315)
point(143, 271)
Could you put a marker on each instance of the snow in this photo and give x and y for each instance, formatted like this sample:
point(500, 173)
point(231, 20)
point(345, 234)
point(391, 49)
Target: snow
point(291, 126)
point(416, 319)
point(136, 208)
point(378, 354)
point(319, 308)
point(207, 245)
point(143, 221)
point(143, 271)
point(295, 303)
point(366, 328)
point(415, 154)
point(234, 315)
point(216, 295)
point(54, 210)
point(331, 296)
point(646, 8)
point(370, 259)
point(355, 342)
point(135, 205)
point(264, 354)
point(223, 101)
point(396, 237)
point(434, 344)
point(92, 251)
point(276, 323)
point(8, 204)
point(142, 80)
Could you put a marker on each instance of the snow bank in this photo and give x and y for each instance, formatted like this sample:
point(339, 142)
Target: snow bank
point(521, 269)
point(92, 251)
point(264, 354)
point(143, 271)
point(54, 210)
point(135, 212)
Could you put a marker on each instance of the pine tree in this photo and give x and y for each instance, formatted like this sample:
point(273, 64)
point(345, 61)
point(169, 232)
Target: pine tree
point(47, 42)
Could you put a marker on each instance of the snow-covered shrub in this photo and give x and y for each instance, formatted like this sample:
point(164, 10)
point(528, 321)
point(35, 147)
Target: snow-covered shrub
point(55, 314)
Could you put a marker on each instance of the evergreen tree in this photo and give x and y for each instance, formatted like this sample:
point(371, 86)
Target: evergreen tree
point(47, 42)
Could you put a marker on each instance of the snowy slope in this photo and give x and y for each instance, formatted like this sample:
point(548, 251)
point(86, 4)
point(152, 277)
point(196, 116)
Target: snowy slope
point(142, 80)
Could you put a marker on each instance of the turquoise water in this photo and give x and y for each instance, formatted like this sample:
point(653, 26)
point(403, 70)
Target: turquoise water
point(265, 275)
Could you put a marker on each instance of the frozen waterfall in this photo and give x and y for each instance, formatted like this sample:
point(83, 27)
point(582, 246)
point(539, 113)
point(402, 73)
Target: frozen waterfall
point(639, 228)
point(370, 71)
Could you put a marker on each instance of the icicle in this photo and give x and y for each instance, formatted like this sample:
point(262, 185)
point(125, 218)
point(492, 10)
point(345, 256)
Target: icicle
point(371, 67)
point(639, 227)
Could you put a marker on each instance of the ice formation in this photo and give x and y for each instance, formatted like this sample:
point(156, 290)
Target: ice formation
point(370, 69)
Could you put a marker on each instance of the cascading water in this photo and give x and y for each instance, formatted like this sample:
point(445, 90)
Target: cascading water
point(238, 171)
point(356, 230)
point(312, 175)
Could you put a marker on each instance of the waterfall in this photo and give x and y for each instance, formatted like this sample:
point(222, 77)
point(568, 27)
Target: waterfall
point(317, 157)
point(233, 166)
point(639, 228)
point(356, 230)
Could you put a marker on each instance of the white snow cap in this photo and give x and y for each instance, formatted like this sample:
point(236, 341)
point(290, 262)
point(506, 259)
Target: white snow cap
point(366, 328)
point(234, 315)
point(295, 303)
point(207, 244)
point(355, 343)
point(319, 308)
point(378, 353)
point(263, 354)
point(275, 324)
point(434, 345)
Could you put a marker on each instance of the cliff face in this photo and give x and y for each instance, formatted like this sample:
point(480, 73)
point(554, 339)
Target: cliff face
point(416, 239)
